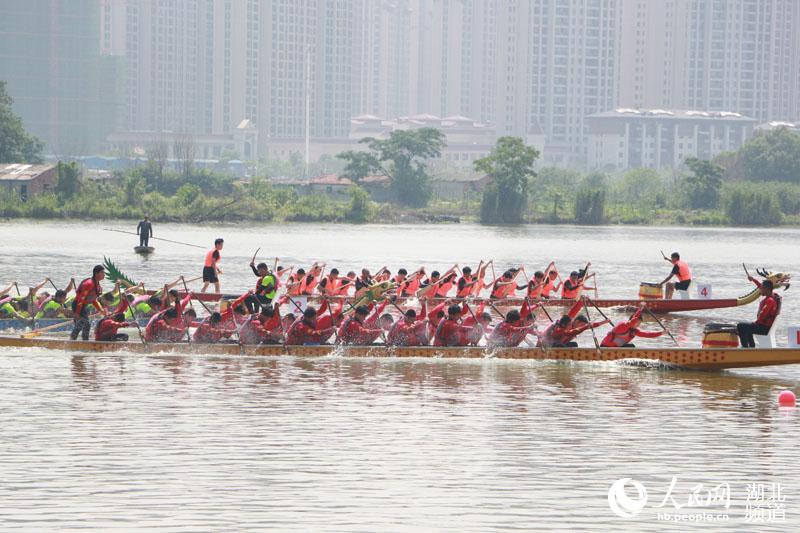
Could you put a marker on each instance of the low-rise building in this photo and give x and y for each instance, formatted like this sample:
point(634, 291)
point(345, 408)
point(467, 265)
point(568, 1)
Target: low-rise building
point(27, 180)
point(657, 138)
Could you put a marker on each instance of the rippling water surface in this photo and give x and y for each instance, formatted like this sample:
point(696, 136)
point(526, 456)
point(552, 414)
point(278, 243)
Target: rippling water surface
point(174, 443)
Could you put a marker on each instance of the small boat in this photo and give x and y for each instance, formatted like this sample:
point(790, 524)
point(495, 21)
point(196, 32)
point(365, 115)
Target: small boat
point(144, 250)
point(692, 358)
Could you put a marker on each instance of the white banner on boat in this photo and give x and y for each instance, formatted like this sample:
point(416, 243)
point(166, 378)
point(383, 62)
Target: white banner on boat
point(794, 336)
point(704, 291)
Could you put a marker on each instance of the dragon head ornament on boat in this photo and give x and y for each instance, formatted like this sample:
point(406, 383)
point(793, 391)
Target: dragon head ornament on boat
point(778, 279)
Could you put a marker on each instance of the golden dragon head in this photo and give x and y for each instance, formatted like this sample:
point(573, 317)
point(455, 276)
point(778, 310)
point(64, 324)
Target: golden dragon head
point(377, 290)
point(778, 279)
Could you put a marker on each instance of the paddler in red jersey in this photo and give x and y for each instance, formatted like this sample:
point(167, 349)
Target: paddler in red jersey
point(106, 329)
point(480, 323)
point(409, 330)
point(681, 271)
point(768, 310)
point(210, 330)
point(304, 330)
point(562, 332)
point(211, 268)
point(510, 332)
point(353, 331)
point(623, 333)
point(166, 326)
point(450, 332)
point(86, 294)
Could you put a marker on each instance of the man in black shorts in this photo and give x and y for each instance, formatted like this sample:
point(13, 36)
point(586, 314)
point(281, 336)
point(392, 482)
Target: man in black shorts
point(210, 268)
point(679, 270)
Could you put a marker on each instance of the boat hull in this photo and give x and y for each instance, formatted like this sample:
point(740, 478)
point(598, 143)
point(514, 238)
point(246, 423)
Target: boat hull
point(694, 358)
point(144, 250)
point(655, 305)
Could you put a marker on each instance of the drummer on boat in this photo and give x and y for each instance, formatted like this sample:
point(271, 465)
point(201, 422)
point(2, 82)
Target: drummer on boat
point(681, 271)
point(768, 310)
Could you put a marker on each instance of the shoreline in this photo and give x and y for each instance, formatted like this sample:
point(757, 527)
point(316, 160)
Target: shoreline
point(422, 219)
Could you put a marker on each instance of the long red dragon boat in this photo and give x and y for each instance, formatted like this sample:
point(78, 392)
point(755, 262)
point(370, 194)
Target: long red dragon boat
point(656, 305)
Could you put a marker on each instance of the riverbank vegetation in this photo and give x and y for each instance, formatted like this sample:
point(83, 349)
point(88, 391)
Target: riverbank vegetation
point(759, 185)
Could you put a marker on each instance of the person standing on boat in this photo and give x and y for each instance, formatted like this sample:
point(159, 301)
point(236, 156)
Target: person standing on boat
point(210, 268)
point(144, 230)
point(87, 293)
point(768, 311)
point(680, 270)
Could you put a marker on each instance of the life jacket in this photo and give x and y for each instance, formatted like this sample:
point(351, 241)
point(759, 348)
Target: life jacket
point(684, 274)
point(210, 257)
point(332, 286)
point(296, 288)
point(445, 287)
point(107, 328)
point(87, 292)
point(619, 336)
point(343, 288)
point(767, 318)
point(412, 286)
point(568, 293)
point(267, 286)
point(467, 290)
point(535, 289)
point(497, 290)
point(307, 284)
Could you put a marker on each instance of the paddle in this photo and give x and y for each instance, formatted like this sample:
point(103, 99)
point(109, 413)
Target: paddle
point(333, 322)
point(589, 318)
point(139, 329)
point(255, 255)
point(37, 332)
point(156, 238)
point(601, 312)
point(662, 327)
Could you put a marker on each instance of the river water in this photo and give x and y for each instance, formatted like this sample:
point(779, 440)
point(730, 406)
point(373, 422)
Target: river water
point(175, 443)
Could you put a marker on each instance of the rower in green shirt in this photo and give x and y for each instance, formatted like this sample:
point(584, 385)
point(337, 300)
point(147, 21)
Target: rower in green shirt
point(55, 308)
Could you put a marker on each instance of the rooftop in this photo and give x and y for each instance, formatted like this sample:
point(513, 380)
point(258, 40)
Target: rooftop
point(678, 114)
point(21, 171)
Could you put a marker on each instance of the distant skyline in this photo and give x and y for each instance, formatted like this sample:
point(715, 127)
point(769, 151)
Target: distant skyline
point(531, 68)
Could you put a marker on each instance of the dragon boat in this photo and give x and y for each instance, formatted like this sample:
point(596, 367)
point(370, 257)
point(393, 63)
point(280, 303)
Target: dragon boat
point(655, 305)
point(690, 358)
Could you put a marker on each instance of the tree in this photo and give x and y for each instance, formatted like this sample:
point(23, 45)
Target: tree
point(510, 165)
point(590, 205)
point(403, 159)
point(359, 165)
point(772, 156)
point(702, 186)
point(749, 205)
point(16, 145)
point(358, 210)
point(68, 181)
point(184, 149)
point(640, 187)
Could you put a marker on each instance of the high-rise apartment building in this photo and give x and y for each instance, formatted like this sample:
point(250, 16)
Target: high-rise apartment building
point(64, 90)
point(574, 66)
point(734, 55)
